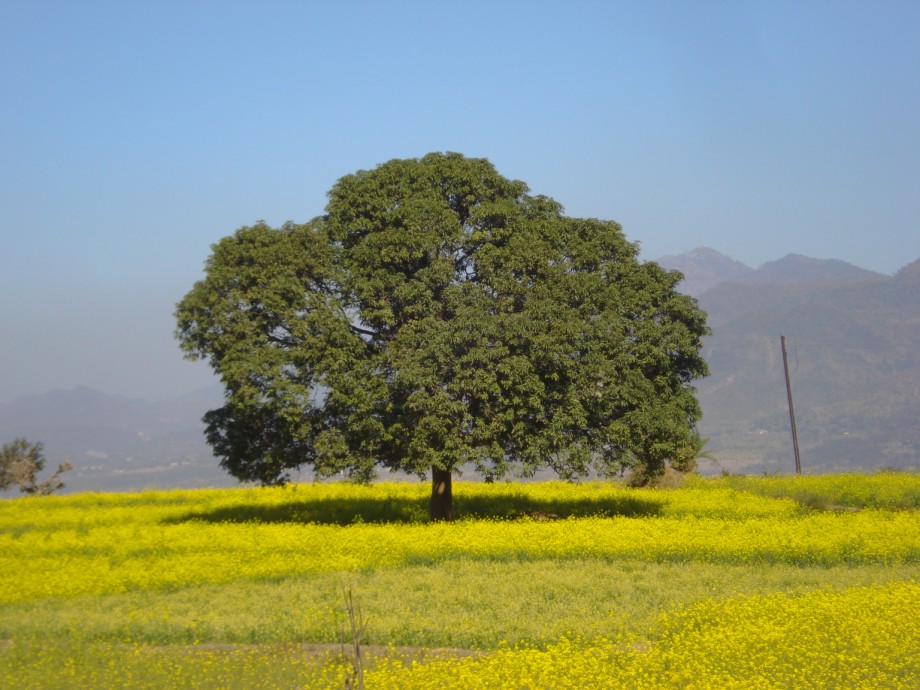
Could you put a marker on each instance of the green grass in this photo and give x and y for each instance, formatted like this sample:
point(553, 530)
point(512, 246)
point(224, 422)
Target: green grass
point(80, 663)
point(458, 604)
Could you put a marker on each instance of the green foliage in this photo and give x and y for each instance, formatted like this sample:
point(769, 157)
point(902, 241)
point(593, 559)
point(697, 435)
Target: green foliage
point(438, 315)
point(21, 461)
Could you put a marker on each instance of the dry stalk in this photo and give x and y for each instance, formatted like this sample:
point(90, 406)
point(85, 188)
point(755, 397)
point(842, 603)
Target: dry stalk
point(354, 680)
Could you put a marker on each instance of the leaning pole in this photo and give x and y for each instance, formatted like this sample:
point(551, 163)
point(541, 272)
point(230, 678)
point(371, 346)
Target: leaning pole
point(795, 435)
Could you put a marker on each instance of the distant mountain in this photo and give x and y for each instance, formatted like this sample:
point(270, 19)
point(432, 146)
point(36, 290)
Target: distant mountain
point(795, 268)
point(855, 367)
point(909, 276)
point(705, 268)
point(117, 443)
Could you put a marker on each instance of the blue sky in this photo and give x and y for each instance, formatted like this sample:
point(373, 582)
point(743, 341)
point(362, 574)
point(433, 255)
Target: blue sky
point(134, 135)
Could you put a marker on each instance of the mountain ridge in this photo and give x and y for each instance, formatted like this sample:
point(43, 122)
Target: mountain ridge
point(855, 373)
point(705, 268)
point(116, 442)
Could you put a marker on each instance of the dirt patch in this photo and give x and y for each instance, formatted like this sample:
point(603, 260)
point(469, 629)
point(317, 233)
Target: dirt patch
point(417, 653)
point(317, 649)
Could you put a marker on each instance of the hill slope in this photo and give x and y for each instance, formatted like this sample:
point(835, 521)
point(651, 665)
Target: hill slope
point(117, 443)
point(854, 366)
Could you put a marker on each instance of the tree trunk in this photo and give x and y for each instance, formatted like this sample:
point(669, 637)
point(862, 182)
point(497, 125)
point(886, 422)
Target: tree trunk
point(442, 500)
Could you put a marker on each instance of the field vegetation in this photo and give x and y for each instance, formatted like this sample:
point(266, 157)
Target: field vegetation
point(727, 582)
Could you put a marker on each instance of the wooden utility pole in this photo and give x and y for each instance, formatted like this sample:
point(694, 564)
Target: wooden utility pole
point(795, 435)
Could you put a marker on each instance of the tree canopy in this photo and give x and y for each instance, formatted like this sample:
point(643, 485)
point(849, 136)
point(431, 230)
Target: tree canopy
point(438, 316)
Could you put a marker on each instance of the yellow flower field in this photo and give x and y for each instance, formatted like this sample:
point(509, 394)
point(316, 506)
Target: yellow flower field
point(757, 582)
point(861, 638)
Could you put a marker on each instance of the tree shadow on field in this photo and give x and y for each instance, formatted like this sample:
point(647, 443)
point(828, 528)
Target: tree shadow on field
point(349, 511)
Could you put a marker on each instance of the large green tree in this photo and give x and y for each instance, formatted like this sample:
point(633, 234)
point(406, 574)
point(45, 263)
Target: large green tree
point(438, 315)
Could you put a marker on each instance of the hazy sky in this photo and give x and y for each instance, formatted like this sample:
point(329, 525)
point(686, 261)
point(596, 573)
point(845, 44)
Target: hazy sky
point(134, 135)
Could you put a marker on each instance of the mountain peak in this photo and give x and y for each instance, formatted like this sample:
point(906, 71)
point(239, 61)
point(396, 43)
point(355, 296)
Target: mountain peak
point(704, 268)
point(795, 268)
point(910, 273)
point(702, 254)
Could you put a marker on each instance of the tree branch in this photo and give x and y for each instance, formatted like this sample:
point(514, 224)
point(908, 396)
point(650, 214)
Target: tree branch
point(363, 331)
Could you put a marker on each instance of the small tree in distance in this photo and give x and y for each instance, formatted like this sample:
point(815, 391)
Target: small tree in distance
point(437, 315)
point(21, 461)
